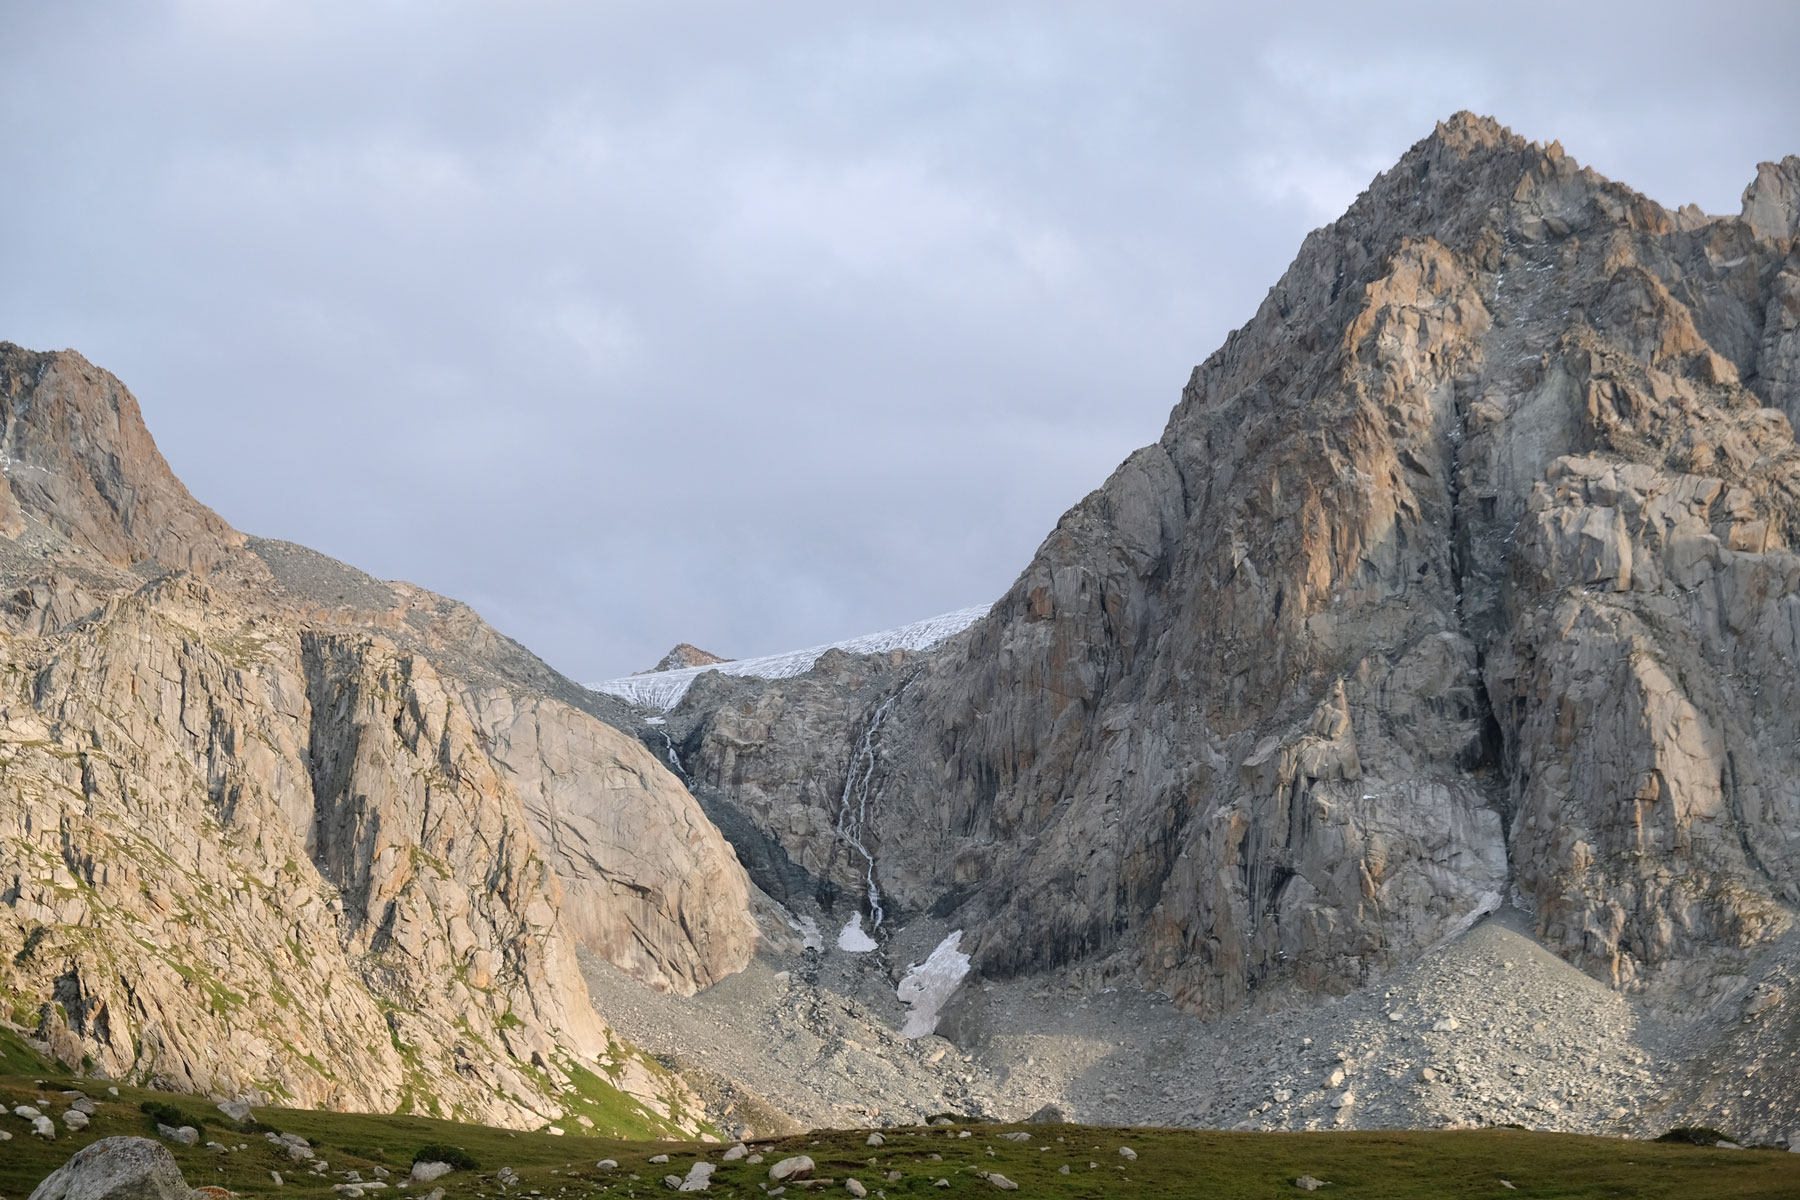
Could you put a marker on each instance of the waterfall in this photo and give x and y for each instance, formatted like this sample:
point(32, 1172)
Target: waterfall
point(669, 753)
point(853, 809)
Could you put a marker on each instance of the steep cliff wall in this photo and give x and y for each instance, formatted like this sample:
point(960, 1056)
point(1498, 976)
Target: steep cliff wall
point(1461, 571)
point(287, 829)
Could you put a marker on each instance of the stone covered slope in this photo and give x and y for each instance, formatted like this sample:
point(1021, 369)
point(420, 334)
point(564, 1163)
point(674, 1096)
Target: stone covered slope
point(274, 827)
point(1461, 571)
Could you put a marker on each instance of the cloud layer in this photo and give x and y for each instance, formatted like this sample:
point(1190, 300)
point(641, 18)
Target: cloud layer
point(754, 326)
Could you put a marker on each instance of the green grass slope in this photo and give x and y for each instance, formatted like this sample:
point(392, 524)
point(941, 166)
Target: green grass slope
point(1170, 1163)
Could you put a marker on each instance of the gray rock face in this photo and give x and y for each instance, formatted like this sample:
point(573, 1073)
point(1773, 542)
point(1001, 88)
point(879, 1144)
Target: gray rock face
point(264, 839)
point(772, 754)
point(80, 460)
point(116, 1168)
point(1462, 571)
point(648, 882)
point(1772, 201)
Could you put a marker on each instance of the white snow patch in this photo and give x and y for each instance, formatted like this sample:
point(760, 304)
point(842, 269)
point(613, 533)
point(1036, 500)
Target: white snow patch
point(660, 691)
point(810, 937)
point(929, 985)
point(852, 939)
point(1485, 903)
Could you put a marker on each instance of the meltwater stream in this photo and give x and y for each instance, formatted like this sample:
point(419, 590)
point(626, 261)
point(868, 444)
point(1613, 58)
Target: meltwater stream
point(674, 758)
point(669, 754)
point(853, 809)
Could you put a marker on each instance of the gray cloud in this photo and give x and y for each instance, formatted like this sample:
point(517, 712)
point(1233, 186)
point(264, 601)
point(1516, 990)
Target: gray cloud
point(752, 326)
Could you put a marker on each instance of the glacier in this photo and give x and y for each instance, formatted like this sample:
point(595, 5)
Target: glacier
point(659, 691)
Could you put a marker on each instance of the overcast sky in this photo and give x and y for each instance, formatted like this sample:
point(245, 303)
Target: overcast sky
point(751, 325)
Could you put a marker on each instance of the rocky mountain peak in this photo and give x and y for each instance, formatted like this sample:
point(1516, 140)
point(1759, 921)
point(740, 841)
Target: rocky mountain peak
point(282, 828)
point(685, 655)
point(77, 457)
point(1442, 588)
point(1466, 132)
point(1772, 201)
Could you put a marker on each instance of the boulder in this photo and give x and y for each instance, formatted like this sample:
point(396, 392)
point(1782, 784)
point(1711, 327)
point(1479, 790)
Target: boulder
point(797, 1167)
point(116, 1168)
point(426, 1172)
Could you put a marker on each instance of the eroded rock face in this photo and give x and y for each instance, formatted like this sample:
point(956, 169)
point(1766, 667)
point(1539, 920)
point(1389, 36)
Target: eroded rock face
point(1461, 570)
point(648, 882)
point(774, 753)
point(245, 857)
point(77, 456)
point(289, 830)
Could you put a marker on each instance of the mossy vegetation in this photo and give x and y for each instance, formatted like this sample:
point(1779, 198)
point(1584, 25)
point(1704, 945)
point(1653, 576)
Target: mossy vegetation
point(613, 1113)
point(18, 1058)
point(1396, 1165)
